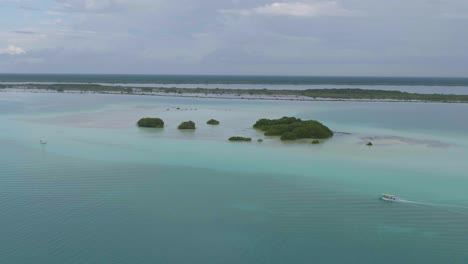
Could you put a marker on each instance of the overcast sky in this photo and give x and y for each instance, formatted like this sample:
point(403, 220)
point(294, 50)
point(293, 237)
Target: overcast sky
point(297, 37)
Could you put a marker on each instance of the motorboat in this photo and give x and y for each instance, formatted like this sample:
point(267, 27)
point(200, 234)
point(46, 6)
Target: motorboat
point(43, 141)
point(389, 197)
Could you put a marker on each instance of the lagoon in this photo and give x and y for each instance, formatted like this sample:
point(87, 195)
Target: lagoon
point(105, 191)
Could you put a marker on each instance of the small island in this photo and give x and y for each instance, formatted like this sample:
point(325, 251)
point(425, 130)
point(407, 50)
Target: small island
point(151, 122)
point(242, 139)
point(291, 128)
point(187, 125)
point(213, 122)
point(315, 141)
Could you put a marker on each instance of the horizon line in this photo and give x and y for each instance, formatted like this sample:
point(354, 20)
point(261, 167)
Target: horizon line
point(239, 75)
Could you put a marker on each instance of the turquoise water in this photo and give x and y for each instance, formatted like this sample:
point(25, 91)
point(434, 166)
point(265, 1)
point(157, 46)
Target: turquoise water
point(105, 191)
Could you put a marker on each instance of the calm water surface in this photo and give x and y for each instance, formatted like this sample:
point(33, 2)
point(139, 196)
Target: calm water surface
point(105, 191)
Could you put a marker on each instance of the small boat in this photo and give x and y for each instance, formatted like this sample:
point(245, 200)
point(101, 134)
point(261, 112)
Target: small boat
point(389, 197)
point(43, 141)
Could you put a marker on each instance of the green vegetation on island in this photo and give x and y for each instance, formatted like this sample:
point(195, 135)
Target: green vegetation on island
point(289, 136)
point(237, 138)
point(213, 122)
point(291, 128)
point(309, 94)
point(187, 125)
point(315, 141)
point(151, 122)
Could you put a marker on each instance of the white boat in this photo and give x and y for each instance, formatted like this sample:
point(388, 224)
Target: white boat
point(389, 197)
point(43, 141)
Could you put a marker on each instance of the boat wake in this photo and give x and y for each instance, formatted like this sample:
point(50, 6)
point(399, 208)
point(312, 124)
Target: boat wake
point(431, 204)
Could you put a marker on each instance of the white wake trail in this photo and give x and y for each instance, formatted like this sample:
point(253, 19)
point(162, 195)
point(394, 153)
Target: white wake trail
point(432, 204)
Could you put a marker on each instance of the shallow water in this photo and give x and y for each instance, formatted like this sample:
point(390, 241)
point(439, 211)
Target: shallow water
point(105, 191)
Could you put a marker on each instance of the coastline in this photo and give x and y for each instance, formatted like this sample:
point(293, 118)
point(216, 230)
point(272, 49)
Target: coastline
point(226, 96)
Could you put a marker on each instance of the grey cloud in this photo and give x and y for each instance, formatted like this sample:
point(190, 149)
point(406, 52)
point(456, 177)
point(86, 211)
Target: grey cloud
point(296, 9)
point(87, 6)
point(29, 8)
point(186, 36)
point(26, 32)
point(455, 16)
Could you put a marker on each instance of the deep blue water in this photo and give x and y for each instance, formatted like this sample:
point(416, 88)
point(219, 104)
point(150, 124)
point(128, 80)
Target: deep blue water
point(232, 79)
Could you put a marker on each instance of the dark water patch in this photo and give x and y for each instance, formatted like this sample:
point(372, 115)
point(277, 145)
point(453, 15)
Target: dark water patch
point(233, 79)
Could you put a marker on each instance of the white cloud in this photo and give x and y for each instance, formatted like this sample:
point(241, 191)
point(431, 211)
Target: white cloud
point(88, 5)
point(12, 50)
point(297, 9)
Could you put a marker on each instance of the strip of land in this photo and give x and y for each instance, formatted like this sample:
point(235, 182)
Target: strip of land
point(266, 94)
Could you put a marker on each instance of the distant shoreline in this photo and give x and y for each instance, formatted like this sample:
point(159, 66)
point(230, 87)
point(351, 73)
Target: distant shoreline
point(229, 96)
point(236, 79)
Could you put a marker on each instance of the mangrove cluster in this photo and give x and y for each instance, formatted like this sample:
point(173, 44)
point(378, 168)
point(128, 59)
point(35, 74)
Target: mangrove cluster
point(213, 122)
point(151, 122)
point(237, 138)
point(291, 128)
point(187, 125)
